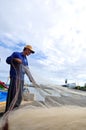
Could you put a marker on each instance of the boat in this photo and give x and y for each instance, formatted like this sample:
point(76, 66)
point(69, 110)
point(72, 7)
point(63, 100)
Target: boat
point(3, 85)
point(3, 96)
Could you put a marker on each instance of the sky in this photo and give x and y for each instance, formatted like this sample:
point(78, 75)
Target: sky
point(56, 29)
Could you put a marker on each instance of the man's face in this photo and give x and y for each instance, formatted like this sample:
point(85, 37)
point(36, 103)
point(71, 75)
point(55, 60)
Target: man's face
point(28, 52)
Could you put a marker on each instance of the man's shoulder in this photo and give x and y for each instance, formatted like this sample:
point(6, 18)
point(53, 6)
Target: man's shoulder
point(17, 53)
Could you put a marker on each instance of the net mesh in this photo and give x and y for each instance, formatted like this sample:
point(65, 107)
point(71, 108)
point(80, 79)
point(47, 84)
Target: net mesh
point(41, 97)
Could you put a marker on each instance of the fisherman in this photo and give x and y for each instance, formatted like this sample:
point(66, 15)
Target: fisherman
point(15, 91)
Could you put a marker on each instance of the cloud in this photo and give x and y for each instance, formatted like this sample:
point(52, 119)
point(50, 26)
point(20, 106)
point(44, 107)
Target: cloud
point(55, 29)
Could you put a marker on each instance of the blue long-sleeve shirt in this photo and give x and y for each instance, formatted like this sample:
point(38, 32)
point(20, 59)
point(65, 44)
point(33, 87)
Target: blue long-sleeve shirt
point(14, 66)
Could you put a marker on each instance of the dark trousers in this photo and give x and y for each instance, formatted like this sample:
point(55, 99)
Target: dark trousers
point(14, 96)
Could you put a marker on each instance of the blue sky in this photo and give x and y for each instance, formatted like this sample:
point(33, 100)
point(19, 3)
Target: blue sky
point(57, 31)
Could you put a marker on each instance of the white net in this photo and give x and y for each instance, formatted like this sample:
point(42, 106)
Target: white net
point(47, 108)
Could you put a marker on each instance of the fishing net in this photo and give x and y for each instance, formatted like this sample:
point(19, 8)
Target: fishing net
point(38, 100)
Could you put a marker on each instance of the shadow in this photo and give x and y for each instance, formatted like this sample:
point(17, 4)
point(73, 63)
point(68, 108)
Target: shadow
point(1, 114)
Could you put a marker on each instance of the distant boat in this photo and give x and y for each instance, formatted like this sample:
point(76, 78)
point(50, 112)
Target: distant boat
point(70, 85)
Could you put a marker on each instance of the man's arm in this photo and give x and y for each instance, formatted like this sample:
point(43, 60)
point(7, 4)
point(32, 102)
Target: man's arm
point(13, 58)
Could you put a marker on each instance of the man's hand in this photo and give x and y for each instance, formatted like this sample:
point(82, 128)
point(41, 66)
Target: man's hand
point(17, 60)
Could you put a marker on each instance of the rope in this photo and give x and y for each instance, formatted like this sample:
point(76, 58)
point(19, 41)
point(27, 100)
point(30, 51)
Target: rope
point(38, 88)
point(5, 125)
